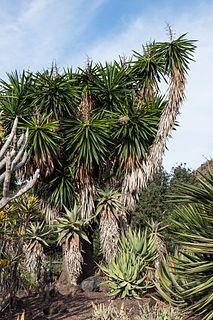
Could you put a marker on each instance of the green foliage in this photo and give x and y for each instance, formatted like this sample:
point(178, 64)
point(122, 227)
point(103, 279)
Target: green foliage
point(87, 141)
point(110, 312)
point(159, 311)
point(129, 271)
point(43, 139)
point(108, 201)
point(60, 188)
point(134, 129)
point(177, 52)
point(188, 280)
point(36, 232)
point(110, 83)
point(70, 224)
point(154, 201)
point(15, 100)
point(54, 93)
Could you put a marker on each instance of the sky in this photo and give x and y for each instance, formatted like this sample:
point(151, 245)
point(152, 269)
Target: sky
point(35, 33)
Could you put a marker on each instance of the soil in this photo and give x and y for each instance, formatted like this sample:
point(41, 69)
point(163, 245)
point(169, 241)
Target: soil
point(66, 307)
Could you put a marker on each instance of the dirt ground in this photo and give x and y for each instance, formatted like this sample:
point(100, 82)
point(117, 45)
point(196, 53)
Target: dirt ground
point(65, 307)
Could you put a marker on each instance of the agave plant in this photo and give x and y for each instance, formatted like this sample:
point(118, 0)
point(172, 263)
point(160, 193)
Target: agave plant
point(108, 208)
point(71, 229)
point(129, 271)
point(187, 280)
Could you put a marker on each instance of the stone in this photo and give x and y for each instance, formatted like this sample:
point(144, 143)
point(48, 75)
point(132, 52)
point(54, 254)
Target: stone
point(91, 284)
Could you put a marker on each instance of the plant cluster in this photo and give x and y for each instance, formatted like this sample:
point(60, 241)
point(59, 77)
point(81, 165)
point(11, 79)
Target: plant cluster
point(186, 279)
point(130, 271)
point(159, 311)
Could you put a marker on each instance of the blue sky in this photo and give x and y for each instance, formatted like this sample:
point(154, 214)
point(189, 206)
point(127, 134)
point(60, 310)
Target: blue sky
point(33, 33)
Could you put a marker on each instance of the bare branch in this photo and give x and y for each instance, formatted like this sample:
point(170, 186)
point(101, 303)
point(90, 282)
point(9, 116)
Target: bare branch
point(7, 177)
point(30, 184)
point(9, 138)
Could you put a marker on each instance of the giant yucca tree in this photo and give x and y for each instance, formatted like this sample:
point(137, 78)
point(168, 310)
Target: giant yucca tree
point(170, 59)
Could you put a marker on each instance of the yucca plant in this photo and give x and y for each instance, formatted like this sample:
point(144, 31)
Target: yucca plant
point(35, 241)
point(129, 271)
point(109, 207)
point(43, 143)
point(188, 280)
point(168, 59)
point(58, 190)
point(15, 100)
point(174, 57)
point(86, 142)
point(133, 131)
point(70, 228)
point(55, 94)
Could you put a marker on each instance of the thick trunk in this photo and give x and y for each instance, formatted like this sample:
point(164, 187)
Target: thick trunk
point(72, 264)
point(109, 235)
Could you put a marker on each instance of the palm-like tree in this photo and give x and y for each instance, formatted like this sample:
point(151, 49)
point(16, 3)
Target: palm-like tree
point(71, 229)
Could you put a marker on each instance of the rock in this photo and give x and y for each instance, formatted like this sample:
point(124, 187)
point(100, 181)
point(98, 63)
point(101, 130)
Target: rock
point(91, 284)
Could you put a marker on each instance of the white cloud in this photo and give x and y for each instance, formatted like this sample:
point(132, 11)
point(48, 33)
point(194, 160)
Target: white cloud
point(39, 32)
